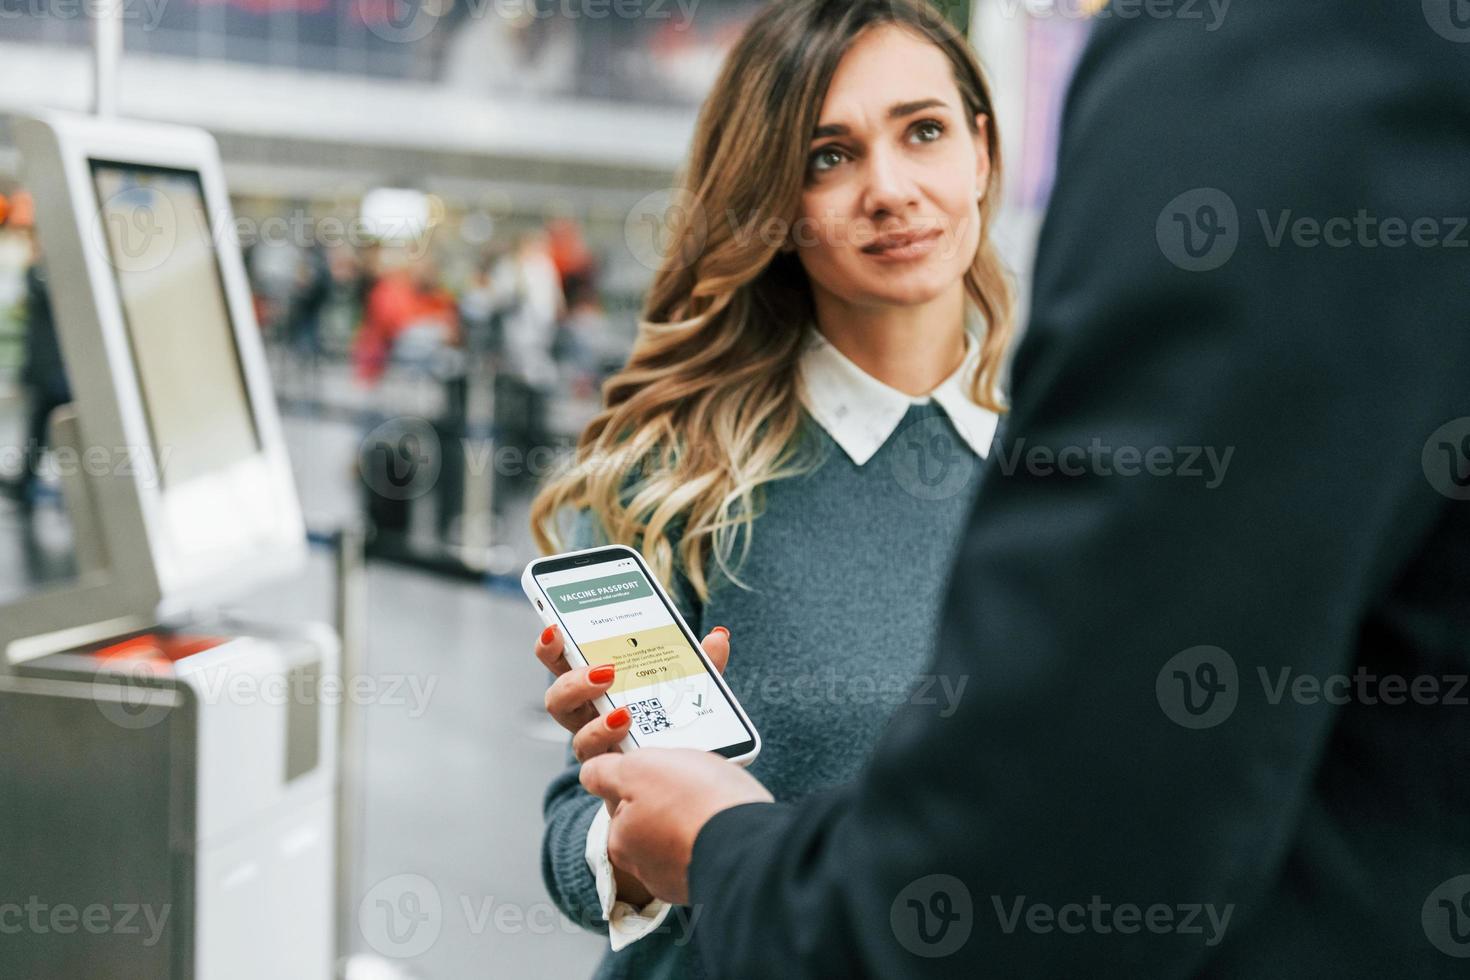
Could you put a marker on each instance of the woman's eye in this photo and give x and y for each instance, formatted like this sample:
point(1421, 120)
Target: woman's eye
point(826, 153)
point(930, 125)
point(830, 156)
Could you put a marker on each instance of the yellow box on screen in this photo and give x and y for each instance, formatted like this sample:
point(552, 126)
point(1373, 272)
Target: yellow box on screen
point(644, 657)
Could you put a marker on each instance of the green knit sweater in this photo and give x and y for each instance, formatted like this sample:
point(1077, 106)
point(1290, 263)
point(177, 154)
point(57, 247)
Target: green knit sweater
point(844, 579)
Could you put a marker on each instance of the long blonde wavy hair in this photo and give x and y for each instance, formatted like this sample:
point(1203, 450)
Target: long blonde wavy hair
point(706, 410)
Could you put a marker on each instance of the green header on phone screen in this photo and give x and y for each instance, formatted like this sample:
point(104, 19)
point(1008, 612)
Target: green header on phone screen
point(588, 594)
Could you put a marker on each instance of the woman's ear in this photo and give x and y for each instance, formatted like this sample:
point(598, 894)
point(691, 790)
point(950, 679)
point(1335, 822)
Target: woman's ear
point(982, 153)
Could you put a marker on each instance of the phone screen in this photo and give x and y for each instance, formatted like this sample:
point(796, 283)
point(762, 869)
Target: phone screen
point(614, 614)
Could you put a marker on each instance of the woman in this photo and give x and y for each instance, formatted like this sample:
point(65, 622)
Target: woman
point(793, 443)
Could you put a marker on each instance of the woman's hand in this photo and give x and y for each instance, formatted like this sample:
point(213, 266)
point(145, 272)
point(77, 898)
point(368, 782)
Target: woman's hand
point(569, 700)
point(570, 697)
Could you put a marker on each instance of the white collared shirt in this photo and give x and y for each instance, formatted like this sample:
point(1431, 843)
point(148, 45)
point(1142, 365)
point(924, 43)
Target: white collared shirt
point(859, 412)
point(626, 923)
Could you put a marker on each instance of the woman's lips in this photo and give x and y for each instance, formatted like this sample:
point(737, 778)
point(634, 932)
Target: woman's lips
point(903, 248)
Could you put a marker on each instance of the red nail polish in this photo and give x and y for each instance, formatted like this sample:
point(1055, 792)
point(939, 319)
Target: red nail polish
point(602, 674)
point(547, 635)
point(618, 718)
point(721, 629)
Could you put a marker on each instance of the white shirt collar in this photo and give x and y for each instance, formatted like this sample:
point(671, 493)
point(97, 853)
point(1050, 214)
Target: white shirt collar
point(860, 412)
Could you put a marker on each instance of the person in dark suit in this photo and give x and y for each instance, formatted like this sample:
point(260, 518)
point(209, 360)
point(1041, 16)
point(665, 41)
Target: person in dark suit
point(1216, 719)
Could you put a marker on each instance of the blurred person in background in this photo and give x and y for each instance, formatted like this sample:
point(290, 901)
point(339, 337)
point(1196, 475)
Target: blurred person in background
point(486, 300)
point(575, 264)
point(343, 311)
point(409, 317)
point(369, 265)
point(531, 325)
point(273, 266)
point(43, 374)
point(585, 341)
point(581, 336)
point(308, 301)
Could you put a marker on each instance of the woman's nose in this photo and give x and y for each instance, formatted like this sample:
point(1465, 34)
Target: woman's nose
point(890, 186)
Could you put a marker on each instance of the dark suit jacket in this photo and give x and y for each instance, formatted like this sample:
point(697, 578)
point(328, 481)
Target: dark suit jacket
point(1124, 738)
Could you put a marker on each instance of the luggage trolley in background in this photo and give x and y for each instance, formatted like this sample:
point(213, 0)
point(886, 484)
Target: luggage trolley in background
point(154, 764)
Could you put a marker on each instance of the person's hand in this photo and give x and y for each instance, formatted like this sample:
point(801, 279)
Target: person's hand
point(570, 699)
point(661, 798)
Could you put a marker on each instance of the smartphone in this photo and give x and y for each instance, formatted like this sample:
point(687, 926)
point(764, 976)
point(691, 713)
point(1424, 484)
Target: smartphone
point(611, 610)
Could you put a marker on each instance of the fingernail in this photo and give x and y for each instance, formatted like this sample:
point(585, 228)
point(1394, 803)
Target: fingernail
point(547, 635)
point(721, 629)
point(618, 718)
point(602, 674)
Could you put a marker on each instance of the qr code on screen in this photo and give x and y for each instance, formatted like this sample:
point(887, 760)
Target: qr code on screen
point(649, 716)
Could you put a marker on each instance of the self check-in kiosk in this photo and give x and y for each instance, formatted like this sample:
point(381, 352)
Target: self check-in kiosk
point(166, 778)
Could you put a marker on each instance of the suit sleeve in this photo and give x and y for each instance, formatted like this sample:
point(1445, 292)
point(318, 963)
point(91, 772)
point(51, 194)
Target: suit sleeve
point(1212, 467)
